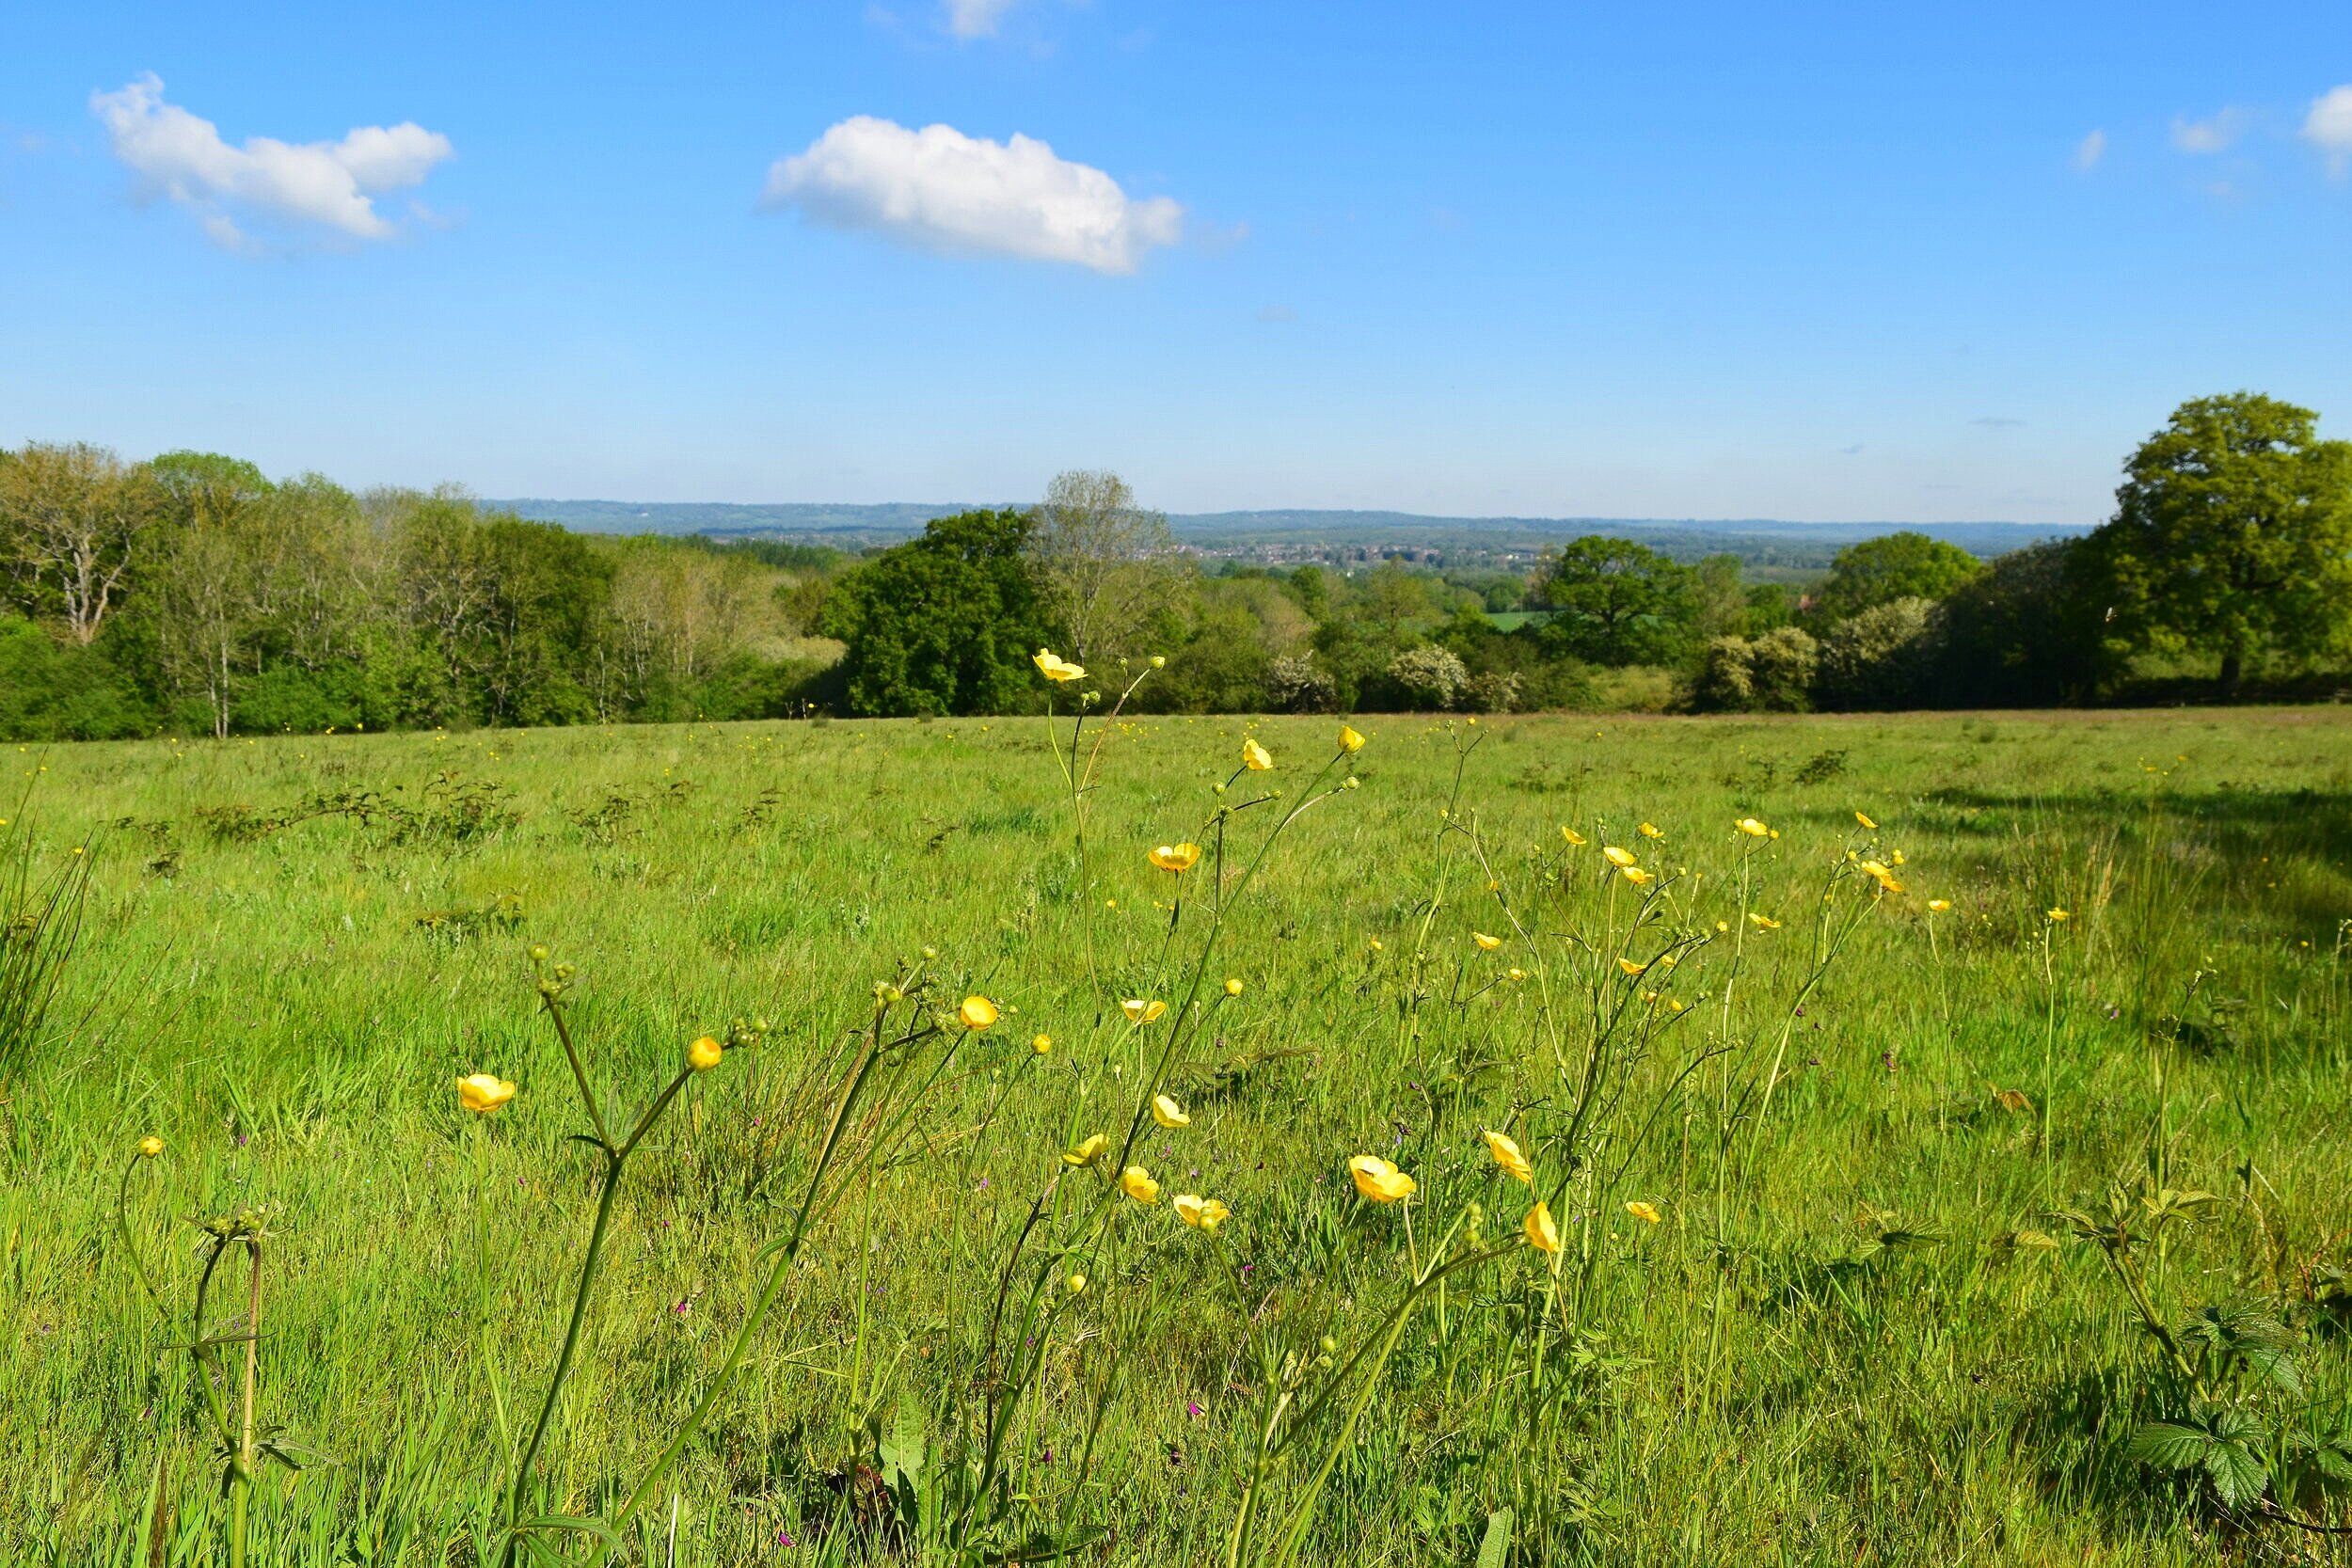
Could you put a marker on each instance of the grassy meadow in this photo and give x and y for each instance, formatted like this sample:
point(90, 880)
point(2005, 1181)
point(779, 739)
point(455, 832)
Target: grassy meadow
point(1853, 1332)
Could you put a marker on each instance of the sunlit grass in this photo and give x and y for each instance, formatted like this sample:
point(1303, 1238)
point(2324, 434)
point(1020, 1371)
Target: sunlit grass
point(1792, 1313)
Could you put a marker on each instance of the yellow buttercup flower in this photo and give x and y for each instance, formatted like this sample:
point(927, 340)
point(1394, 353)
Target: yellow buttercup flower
point(149, 1147)
point(1043, 1045)
point(1201, 1213)
point(482, 1093)
point(1232, 986)
point(1865, 822)
point(1076, 1283)
point(1630, 967)
point(1056, 669)
point(1937, 905)
point(1753, 829)
point(1576, 840)
point(1650, 830)
point(1542, 1234)
point(1507, 1155)
point(1763, 922)
point(702, 1053)
point(1490, 944)
point(977, 1013)
point(1167, 1113)
point(1349, 739)
point(1141, 1011)
point(1136, 1183)
point(1379, 1180)
point(1175, 856)
point(1882, 876)
point(1635, 875)
point(1646, 1213)
point(2057, 914)
point(1255, 756)
point(1897, 857)
point(1089, 1151)
point(1515, 972)
point(1618, 857)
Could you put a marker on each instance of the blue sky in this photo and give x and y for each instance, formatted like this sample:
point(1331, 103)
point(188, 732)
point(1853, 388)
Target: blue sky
point(1830, 263)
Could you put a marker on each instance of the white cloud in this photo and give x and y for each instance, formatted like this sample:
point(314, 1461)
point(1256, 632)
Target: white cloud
point(331, 184)
point(2328, 127)
point(2088, 151)
point(976, 19)
point(944, 191)
point(2208, 136)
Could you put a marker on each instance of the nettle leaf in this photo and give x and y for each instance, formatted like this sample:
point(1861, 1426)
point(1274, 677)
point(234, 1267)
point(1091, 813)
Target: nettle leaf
point(2325, 1459)
point(2238, 1473)
point(2278, 1368)
point(2169, 1445)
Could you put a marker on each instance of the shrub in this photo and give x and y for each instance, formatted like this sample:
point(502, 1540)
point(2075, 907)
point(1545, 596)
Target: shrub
point(1296, 684)
point(1880, 659)
point(1771, 674)
point(51, 691)
point(1496, 691)
point(1429, 677)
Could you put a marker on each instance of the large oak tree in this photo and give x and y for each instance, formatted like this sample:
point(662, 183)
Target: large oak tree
point(2232, 538)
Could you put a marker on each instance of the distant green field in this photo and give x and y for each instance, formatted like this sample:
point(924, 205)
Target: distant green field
point(1855, 1333)
point(1512, 619)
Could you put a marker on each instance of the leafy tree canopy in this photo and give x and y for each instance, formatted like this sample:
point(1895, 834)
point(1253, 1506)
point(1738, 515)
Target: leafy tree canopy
point(945, 624)
point(1617, 602)
point(2232, 537)
point(1903, 565)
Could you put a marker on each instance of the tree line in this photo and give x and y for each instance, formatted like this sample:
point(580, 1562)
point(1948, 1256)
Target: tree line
point(2228, 562)
point(189, 593)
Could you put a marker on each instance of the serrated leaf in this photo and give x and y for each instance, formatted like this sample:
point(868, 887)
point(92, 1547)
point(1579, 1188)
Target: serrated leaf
point(1496, 1546)
point(2169, 1445)
point(2278, 1368)
point(2238, 1474)
point(2332, 1459)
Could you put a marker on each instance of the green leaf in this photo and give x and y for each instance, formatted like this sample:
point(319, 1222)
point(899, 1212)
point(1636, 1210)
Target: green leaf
point(2238, 1474)
point(2278, 1368)
point(1496, 1547)
point(2169, 1445)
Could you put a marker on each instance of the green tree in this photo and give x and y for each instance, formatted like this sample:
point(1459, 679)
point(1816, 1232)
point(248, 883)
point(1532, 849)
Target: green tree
point(75, 524)
point(1105, 566)
point(2232, 538)
point(1719, 602)
point(943, 623)
point(1616, 603)
point(2020, 634)
point(1311, 587)
point(1903, 565)
point(1395, 598)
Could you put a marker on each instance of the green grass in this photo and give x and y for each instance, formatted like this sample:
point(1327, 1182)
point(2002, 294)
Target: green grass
point(287, 1009)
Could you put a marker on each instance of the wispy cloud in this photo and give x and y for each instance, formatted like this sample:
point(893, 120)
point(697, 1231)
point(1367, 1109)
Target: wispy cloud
point(940, 190)
point(2328, 127)
point(2212, 134)
point(2090, 151)
point(976, 19)
point(330, 186)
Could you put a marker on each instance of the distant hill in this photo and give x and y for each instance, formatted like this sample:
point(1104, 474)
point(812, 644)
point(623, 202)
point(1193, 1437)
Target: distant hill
point(1296, 534)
